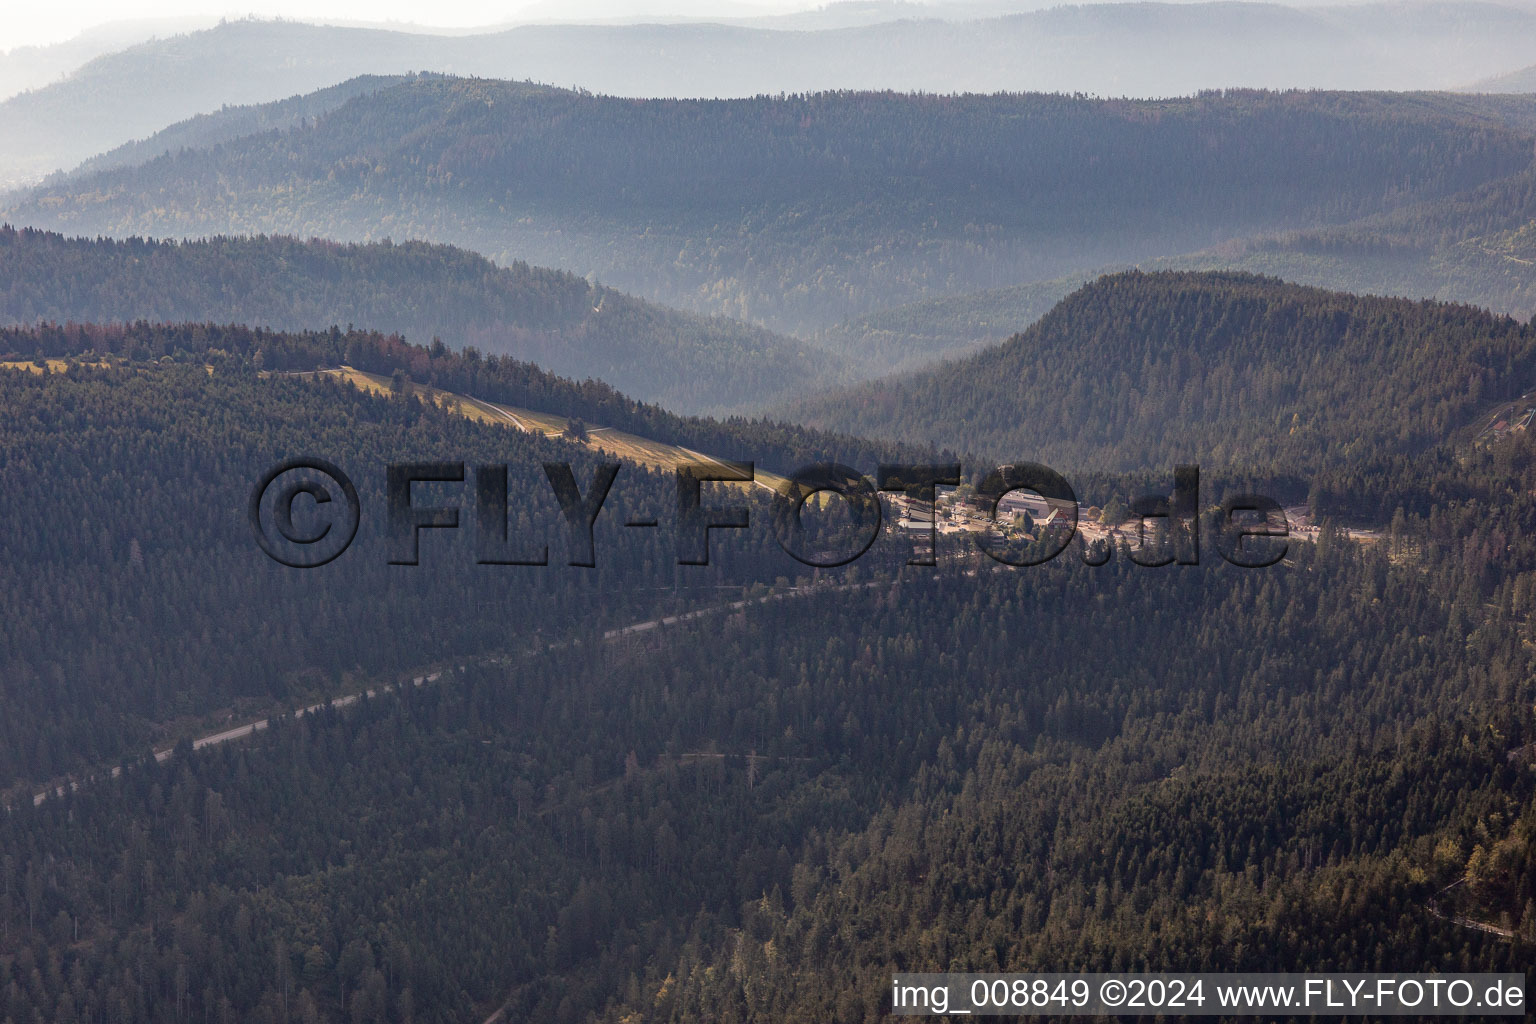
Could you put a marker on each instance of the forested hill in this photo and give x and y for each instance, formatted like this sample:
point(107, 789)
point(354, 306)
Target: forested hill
point(228, 123)
point(799, 211)
point(776, 446)
point(1138, 370)
point(1106, 49)
point(560, 321)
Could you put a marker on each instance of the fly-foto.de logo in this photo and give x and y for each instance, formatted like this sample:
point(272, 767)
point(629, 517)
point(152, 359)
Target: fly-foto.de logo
point(305, 512)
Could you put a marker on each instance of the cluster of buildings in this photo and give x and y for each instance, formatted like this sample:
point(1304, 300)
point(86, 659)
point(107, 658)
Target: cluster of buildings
point(1509, 421)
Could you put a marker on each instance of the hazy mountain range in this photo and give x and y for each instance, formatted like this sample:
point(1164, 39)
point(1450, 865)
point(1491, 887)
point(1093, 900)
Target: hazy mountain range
point(798, 212)
point(1523, 80)
point(1105, 49)
point(32, 67)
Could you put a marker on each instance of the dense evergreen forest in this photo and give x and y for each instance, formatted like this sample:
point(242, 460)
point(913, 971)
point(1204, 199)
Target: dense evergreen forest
point(1141, 370)
point(799, 211)
point(755, 815)
point(563, 323)
point(761, 817)
point(116, 627)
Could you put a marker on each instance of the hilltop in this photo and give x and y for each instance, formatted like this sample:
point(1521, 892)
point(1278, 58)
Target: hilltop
point(1139, 370)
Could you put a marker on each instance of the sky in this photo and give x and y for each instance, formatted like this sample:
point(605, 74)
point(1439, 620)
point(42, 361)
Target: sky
point(34, 24)
point(30, 23)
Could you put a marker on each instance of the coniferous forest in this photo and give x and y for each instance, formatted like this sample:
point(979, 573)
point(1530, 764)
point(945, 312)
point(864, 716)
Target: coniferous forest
point(588, 725)
point(1185, 767)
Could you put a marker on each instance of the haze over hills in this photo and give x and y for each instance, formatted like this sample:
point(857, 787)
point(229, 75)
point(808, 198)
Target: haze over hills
point(906, 337)
point(557, 320)
point(1106, 49)
point(230, 123)
point(1473, 247)
point(799, 212)
point(35, 66)
point(1523, 80)
point(1478, 247)
point(1146, 370)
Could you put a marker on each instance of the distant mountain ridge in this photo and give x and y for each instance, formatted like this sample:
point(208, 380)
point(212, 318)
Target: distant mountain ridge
point(231, 123)
point(1116, 49)
point(1523, 80)
point(36, 66)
